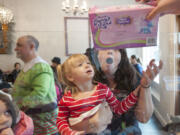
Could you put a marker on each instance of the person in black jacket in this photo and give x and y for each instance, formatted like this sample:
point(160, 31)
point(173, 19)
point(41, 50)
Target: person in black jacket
point(3, 84)
point(12, 76)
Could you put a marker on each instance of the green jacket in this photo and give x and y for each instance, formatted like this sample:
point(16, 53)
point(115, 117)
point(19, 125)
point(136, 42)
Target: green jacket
point(35, 86)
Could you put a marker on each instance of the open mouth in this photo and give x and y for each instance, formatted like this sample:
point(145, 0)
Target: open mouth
point(109, 60)
point(89, 71)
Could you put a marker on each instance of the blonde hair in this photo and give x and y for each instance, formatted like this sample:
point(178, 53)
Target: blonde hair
point(66, 69)
point(59, 74)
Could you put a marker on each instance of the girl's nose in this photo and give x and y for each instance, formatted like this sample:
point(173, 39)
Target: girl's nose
point(87, 65)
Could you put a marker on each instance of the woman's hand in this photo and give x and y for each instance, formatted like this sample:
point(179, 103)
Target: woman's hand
point(144, 108)
point(151, 72)
point(7, 131)
point(162, 7)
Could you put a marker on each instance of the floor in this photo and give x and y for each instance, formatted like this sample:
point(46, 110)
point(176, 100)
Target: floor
point(152, 127)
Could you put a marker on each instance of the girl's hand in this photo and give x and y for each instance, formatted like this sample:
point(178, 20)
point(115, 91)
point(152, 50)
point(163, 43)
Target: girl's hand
point(151, 72)
point(7, 131)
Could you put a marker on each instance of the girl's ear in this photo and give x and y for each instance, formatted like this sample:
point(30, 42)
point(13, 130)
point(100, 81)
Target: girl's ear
point(70, 78)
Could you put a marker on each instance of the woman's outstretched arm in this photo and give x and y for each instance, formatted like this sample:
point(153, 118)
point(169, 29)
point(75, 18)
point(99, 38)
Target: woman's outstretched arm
point(144, 108)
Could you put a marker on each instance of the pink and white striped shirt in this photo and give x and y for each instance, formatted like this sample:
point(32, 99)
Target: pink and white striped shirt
point(71, 108)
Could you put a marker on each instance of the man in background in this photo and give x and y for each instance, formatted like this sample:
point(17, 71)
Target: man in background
point(55, 62)
point(34, 89)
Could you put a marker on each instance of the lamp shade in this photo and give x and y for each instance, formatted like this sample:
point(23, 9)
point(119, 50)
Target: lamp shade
point(6, 15)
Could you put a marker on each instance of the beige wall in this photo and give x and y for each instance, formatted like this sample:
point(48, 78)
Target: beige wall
point(45, 20)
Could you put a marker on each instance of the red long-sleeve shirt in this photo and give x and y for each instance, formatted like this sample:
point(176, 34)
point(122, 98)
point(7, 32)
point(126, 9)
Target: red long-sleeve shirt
point(71, 108)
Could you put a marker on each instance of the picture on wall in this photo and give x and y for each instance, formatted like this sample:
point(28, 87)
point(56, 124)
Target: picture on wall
point(77, 35)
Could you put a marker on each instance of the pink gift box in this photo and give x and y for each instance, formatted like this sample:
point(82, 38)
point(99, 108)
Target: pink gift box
point(123, 27)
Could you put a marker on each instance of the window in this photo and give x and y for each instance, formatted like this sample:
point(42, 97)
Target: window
point(151, 53)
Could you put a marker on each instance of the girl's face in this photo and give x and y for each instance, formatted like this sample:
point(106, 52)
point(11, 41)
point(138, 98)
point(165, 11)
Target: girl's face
point(5, 116)
point(109, 60)
point(81, 71)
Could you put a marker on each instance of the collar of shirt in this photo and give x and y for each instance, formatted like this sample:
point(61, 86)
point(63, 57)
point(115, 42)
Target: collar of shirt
point(31, 63)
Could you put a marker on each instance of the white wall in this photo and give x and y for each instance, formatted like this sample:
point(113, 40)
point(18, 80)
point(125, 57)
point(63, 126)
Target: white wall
point(45, 20)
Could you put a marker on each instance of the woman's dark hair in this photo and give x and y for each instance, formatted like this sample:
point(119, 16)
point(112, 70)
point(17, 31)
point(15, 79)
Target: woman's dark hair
point(11, 108)
point(125, 76)
point(91, 53)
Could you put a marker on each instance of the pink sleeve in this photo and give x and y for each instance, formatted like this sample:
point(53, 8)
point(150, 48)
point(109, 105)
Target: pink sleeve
point(58, 92)
point(123, 106)
point(24, 126)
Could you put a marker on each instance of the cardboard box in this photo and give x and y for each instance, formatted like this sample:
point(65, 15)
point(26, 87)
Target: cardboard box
point(123, 27)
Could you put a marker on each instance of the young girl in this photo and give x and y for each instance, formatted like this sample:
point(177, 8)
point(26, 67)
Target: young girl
point(83, 97)
point(8, 115)
point(13, 121)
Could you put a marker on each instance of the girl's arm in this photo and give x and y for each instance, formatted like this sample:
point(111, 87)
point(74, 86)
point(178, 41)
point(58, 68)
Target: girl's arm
point(62, 121)
point(144, 108)
point(123, 106)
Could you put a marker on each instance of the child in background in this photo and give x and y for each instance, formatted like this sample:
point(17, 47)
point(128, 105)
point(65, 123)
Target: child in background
point(83, 97)
point(24, 125)
point(13, 121)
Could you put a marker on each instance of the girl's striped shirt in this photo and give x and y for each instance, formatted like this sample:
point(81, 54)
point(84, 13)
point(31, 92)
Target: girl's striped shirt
point(71, 108)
